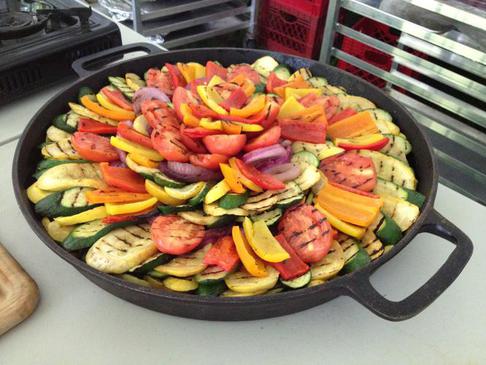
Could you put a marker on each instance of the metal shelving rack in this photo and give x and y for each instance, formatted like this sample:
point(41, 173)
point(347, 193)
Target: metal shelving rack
point(455, 120)
point(186, 21)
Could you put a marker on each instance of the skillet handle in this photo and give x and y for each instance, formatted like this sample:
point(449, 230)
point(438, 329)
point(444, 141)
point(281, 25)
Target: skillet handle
point(362, 290)
point(109, 54)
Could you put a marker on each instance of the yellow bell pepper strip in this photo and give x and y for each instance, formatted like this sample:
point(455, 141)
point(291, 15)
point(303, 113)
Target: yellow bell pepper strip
point(250, 261)
point(231, 128)
point(206, 123)
point(143, 161)
point(85, 112)
point(231, 178)
point(262, 241)
point(186, 192)
point(297, 83)
point(217, 192)
point(159, 193)
point(349, 229)
point(116, 209)
point(212, 104)
point(242, 178)
point(215, 80)
point(187, 71)
point(92, 105)
point(187, 117)
point(114, 196)
point(35, 194)
point(374, 142)
point(359, 124)
point(199, 70)
point(299, 93)
point(247, 127)
point(134, 148)
point(348, 206)
point(86, 216)
point(291, 109)
point(245, 83)
point(105, 103)
point(254, 106)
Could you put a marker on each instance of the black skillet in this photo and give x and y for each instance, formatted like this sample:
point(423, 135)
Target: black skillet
point(356, 284)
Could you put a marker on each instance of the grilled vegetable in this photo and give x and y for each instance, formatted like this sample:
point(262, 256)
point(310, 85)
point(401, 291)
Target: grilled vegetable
point(65, 176)
point(330, 265)
point(121, 84)
point(64, 203)
point(372, 245)
point(264, 65)
point(357, 103)
point(211, 290)
point(180, 285)
point(243, 282)
point(282, 72)
point(121, 249)
point(56, 231)
point(55, 134)
point(270, 217)
point(299, 282)
point(151, 263)
point(83, 112)
point(185, 265)
point(60, 150)
point(211, 275)
point(397, 147)
point(35, 194)
point(402, 212)
point(209, 221)
point(384, 187)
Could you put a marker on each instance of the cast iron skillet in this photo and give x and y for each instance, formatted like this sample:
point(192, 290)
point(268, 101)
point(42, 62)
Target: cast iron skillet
point(356, 285)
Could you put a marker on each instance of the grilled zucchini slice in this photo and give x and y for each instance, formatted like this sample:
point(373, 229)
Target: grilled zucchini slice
point(55, 134)
point(64, 203)
point(121, 84)
point(215, 210)
point(321, 150)
point(185, 265)
point(121, 249)
point(357, 103)
point(65, 176)
point(401, 211)
point(269, 217)
point(264, 65)
point(84, 112)
point(330, 265)
point(308, 178)
point(397, 147)
point(56, 231)
point(384, 187)
point(243, 282)
point(60, 150)
point(209, 221)
point(372, 245)
point(36, 194)
point(180, 284)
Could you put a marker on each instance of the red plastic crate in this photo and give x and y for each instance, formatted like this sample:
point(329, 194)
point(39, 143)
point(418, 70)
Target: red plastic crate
point(286, 28)
point(312, 7)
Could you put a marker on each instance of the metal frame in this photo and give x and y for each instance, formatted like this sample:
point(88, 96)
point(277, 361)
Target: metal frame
point(465, 135)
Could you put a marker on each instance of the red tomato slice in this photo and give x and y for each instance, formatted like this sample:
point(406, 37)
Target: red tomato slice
point(175, 235)
point(223, 254)
point(116, 97)
point(224, 144)
point(198, 132)
point(181, 96)
point(307, 231)
point(93, 147)
point(348, 112)
point(160, 80)
point(293, 267)
point(313, 99)
point(132, 135)
point(267, 138)
point(195, 145)
point(194, 84)
point(201, 111)
point(175, 75)
point(246, 70)
point(209, 161)
point(159, 115)
point(236, 99)
point(313, 132)
point(350, 169)
point(122, 178)
point(265, 181)
point(168, 143)
point(213, 68)
point(93, 126)
point(273, 81)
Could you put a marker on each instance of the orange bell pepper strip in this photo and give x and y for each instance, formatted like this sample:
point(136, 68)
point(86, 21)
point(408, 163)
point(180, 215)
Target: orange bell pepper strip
point(231, 128)
point(349, 207)
point(114, 196)
point(252, 263)
point(297, 83)
point(231, 178)
point(246, 84)
point(242, 178)
point(187, 71)
point(253, 107)
point(187, 117)
point(98, 109)
point(356, 125)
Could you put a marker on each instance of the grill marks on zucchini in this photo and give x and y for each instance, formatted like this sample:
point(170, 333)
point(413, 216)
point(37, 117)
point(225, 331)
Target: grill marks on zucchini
point(55, 134)
point(121, 84)
point(401, 211)
point(185, 265)
point(330, 265)
point(121, 249)
point(65, 176)
point(66, 203)
point(60, 150)
point(397, 147)
point(372, 245)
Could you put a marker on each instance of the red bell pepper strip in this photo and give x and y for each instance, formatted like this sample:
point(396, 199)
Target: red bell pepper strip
point(116, 97)
point(93, 126)
point(175, 75)
point(202, 111)
point(199, 132)
point(213, 69)
point(236, 99)
point(122, 178)
point(132, 135)
point(343, 114)
point(223, 254)
point(296, 130)
point(265, 181)
point(293, 267)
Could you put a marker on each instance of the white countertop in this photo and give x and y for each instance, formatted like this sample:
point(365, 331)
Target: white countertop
point(79, 323)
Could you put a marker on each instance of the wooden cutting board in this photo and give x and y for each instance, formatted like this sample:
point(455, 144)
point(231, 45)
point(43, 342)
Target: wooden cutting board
point(19, 294)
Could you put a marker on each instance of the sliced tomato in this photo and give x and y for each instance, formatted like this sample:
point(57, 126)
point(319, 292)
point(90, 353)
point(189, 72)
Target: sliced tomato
point(122, 178)
point(343, 114)
point(293, 267)
point(93, 147)
point(202, 111)
point(270, 112)
point(209, 161)
point(194, 84)
point(193, 144)
point(181, 96)
point(132, 135)
point(265, 181)
point(236, 99)
point(350, 169)
point(159, 115)
point(161, 80)
point(273, 81)
point(168, 142)
point(175, 75)
point(307, 231)
point(93, 126)
point(223, 254)
point(267, 138)
point(198, 132)
point(225, 144)
point(213, 68)
point(295, 130)
point(313, 99)
point(175, 235)
point(116, 97)
point(246, 70)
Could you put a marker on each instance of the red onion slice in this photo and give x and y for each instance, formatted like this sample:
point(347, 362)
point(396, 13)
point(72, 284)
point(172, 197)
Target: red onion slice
point(265, 153)
point(147, 93)
point(187, 172)
point(285, 172)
